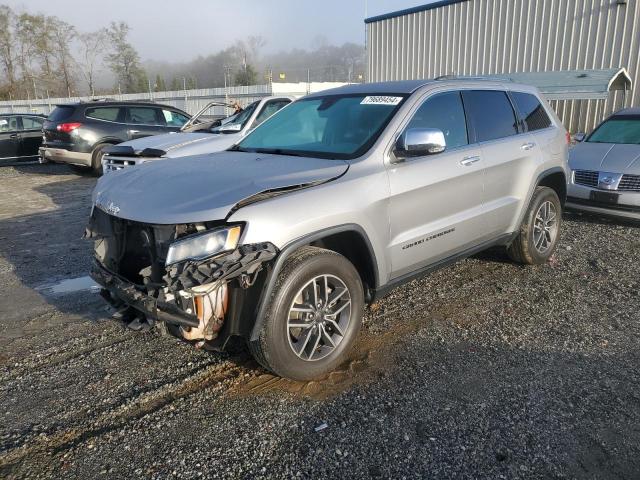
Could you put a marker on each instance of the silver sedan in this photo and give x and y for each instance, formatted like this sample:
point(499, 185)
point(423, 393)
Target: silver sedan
point(606, 168)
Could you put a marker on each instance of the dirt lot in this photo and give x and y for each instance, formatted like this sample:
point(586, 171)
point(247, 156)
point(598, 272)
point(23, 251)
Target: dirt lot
point(482, 370)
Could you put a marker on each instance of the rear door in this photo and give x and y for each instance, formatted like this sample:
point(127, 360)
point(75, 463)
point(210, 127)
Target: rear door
point(31, 136)
point(510, 156)
point(143, 121)
point(9, 137)
point(435, 208)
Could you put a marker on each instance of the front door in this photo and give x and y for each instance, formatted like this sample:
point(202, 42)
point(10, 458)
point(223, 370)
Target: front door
point(144, 121)
point(9, 137)
point(436, 201)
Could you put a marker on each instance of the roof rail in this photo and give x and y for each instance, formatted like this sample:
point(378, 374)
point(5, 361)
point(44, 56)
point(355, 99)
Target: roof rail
point(463, 77)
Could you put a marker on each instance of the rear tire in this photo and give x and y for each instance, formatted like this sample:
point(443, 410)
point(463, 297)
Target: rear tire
point(538, 236)
point(321, 291)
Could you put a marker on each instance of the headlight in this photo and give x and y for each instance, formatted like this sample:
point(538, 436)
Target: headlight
point(204, 245)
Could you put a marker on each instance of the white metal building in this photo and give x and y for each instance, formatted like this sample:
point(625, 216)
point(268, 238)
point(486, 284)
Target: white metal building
point(484, 37)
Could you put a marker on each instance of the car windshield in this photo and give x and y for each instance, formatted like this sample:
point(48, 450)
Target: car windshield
point(238, 122)
point(332, 126)
point(618, 130)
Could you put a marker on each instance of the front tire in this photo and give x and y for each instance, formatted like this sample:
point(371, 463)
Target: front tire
point(538, 236)
point(96, 159)
point(313, 316)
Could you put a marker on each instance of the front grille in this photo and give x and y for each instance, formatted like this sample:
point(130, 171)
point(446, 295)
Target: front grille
point(630, 183)
point(588, 178)
point(111, 164)
point(126, 247)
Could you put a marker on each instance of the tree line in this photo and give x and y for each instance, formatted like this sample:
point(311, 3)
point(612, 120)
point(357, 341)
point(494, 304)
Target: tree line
point(43, 56)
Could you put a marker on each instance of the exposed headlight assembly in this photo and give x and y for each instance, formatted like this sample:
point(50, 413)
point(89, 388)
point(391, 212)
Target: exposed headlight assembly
point(201, 246)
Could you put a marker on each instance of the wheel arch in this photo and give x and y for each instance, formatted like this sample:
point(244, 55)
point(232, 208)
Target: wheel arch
point(555, 179)
point(349, 240)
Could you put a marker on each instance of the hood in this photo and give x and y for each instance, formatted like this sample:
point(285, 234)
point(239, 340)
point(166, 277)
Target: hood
point(166, 141)
point(605, 157)
point(205, 187)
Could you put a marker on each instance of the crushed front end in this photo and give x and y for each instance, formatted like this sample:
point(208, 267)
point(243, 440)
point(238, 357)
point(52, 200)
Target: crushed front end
point(195, 279)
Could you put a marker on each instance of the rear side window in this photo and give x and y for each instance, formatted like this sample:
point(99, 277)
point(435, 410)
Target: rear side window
point(60, 113)
point(32, 123)
point(443, 111)
point(531, 110)
point(491, 114)
point(103, 113)
point(143, 116)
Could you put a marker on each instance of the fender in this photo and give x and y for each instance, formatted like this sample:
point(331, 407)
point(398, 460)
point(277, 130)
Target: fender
point(541, 175)
point(270, 281)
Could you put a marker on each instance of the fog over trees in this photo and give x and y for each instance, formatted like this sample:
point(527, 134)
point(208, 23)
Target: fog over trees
point(43, 56)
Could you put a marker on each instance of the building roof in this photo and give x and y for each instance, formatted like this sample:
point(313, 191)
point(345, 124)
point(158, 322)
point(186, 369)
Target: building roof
point(572, 84)
point(407, 11)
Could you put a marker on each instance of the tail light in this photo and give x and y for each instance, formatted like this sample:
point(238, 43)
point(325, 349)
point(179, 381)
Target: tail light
point(68, 127)
point(568, 138)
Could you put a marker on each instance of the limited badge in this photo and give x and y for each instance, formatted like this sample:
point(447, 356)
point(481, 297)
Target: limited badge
point(381, 100)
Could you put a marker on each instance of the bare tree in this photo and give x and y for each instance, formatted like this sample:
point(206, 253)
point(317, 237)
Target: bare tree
point(7, 42)
point(91, 55)
point(124, 60)
point(63, 35)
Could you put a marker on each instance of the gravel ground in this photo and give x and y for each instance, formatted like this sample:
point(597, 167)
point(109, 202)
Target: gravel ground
point(482, 370)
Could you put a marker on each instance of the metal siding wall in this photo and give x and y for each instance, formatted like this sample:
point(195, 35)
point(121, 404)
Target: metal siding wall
point(479, 37)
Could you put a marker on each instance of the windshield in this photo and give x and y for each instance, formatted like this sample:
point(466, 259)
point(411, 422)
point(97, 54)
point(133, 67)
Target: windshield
point(618, 130)
point(332, 126)
point(238, 122)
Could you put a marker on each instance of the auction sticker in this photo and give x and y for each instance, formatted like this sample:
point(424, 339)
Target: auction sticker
point(381, 100)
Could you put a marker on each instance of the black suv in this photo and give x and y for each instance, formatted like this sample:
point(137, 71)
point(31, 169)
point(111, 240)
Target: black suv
point(20, 136)
point(77, 133)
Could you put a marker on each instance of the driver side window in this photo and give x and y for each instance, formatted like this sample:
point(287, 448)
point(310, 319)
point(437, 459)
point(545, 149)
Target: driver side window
point(445, 112)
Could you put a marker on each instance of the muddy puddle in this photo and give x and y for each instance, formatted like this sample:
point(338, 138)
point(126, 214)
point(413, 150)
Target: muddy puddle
point(69, 285)
point(373, 355)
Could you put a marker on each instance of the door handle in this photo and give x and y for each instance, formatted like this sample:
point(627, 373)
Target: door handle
point(14, 135)
point(468, 161)
point(528, 146)
point(134, 131)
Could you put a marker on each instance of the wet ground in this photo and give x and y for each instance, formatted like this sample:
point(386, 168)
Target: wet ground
point(482, 370)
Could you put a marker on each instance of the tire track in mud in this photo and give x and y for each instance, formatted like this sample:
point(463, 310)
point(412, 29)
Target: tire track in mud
point(372, 354)
point(45, 446)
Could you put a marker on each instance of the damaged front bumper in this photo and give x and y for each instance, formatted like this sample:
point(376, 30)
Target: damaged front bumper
point(207, 301)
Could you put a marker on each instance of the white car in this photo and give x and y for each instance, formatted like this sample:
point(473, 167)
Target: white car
point(195, 138)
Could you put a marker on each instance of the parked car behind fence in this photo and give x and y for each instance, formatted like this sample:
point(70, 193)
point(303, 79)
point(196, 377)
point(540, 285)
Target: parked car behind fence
point(196, 138)
point(20, 137)
point(78, 133)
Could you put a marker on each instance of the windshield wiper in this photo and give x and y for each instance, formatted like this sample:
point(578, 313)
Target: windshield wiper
point(277, 151)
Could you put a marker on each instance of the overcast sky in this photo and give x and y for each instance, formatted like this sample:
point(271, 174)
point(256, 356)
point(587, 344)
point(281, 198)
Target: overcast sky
point(183, 29)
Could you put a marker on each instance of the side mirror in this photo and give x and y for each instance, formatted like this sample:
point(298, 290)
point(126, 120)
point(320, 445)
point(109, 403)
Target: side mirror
point(579, 137)
point(418, 142)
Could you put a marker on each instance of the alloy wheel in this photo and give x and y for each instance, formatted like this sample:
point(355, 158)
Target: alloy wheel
point(319, 317)
point(545, 227)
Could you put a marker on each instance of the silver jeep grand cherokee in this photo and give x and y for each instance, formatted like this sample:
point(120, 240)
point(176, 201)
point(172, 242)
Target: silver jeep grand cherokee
point(343, 195)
